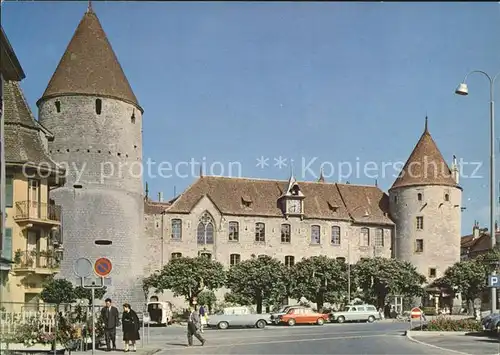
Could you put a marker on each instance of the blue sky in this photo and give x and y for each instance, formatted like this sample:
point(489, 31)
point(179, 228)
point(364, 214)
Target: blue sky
point(339, 82)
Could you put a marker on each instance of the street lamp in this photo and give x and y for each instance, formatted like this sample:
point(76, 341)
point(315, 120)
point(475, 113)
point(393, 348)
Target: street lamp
point(463, 90)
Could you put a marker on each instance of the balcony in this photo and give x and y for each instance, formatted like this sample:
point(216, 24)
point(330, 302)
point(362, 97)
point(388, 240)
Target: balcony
point(38, 213)
point(44, 262)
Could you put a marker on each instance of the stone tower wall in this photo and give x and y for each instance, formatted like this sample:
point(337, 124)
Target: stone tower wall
point(441, 230)
point(103, 154)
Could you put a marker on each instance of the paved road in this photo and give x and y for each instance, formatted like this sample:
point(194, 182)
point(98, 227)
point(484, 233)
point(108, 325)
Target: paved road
point(378, 338)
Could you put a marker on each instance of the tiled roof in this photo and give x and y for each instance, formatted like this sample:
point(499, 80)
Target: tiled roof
point(89, 66)
point(322, 200)
point(23, 141)
point(425, 166)
point(155, 207)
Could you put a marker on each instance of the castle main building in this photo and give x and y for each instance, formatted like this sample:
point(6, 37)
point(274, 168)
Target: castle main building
point(233, 219)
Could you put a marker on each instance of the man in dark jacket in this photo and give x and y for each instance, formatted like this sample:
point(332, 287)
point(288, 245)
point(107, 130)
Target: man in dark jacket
point(110, 318)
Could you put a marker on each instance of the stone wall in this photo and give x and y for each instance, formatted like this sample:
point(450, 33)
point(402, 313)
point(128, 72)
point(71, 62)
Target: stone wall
point(441, 228)
point(102, 198)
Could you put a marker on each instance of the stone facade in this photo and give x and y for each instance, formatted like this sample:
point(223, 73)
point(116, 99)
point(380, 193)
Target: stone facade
point(435, 245)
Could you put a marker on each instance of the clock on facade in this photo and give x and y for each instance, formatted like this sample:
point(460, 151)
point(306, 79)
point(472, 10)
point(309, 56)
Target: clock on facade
point(294, 206)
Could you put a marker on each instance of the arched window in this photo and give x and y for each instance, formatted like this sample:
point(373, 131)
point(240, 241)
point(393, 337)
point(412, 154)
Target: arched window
point(205, 230)
point(419, 196)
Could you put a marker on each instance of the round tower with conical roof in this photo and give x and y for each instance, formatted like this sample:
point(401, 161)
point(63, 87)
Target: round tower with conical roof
point(97, 122)
point(425, 203)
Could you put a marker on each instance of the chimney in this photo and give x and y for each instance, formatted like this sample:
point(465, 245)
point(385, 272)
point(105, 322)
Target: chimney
point(160, 196)
point(475, 230)
point(454, 170)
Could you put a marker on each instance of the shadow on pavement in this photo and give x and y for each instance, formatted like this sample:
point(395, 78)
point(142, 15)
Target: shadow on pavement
point(177, 344)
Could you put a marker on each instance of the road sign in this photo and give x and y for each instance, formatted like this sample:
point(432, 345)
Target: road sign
point(82, 267)
point(103, 267)
point(494, 281)
point(416, 313)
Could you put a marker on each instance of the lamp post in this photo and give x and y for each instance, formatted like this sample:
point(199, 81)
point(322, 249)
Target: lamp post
point(463, 90)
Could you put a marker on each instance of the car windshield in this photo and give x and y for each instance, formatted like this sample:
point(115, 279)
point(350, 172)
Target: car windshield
point(282, 309)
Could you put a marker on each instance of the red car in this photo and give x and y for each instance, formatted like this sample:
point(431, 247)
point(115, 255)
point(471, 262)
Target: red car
point(304, 316)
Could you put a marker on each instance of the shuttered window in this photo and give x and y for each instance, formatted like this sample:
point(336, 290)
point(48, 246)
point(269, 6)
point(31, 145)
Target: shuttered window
point(9, 192)
point(7, 244)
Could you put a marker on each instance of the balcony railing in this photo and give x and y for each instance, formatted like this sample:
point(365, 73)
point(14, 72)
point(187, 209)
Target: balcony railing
point(33, 210)
point(36, 259)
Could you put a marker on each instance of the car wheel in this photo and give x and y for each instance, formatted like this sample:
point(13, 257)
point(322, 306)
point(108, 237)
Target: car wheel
point(223, 325)
point(341, 319)
point(320, 321)
point(371, 319)
point(260, 324)
point(291, 322)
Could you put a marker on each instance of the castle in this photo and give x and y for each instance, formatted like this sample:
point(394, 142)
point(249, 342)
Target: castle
point(96, 120)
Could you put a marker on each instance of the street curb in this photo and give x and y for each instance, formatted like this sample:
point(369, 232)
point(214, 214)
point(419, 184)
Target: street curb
point(409, 333)
point(433, 333)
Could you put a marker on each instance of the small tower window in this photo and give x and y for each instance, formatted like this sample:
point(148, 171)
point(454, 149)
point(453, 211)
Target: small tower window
point(58, 106)
point(98, 106)
point(132, 118)
point(395, 198)
point(446, 197)
point(419, 196)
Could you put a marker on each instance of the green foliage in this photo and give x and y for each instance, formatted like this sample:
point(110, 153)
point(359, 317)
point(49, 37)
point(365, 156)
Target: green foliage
point(57, 291)
point(319, 279)
point(429, 311)
point(444, 324)
point(489, 260)
point(238, 299)
point(379, 277)
point(187, 277)
point(260, 280)
point(86, 293)
point(207, 298)
point(466, 277)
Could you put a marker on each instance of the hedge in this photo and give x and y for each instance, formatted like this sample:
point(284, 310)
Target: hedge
point(444, 324)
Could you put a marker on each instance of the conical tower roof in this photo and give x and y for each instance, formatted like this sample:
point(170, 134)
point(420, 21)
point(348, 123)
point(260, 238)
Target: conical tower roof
point(425, 166)
point(89, 66)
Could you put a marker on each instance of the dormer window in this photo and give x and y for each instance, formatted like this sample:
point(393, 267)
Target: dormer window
point(333, 207)
point(295, 190)
point(246, 201)
point(98, 106)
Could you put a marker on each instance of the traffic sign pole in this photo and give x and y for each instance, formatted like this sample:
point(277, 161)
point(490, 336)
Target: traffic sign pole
point(92, 287)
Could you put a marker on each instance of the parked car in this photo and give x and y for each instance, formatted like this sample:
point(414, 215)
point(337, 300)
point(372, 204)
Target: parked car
point(491, 322)
point(243, 318)
point(276, 316)
point(303, 315)
point(159, 313)
point(356, 313)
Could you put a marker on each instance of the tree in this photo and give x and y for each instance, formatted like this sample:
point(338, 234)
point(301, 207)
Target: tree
point(261, 280)
point(379, 277)
point(207, 298)
point(86, 293)
point(466, 277)
point(187, 277)
point(319, 279)
point(57, 291)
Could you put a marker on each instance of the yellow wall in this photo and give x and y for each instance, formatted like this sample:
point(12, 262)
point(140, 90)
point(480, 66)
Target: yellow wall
point(21, 286)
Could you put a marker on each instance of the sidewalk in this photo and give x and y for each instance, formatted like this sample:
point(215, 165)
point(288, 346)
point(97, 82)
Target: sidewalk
point(457, 342)
point(146, 350)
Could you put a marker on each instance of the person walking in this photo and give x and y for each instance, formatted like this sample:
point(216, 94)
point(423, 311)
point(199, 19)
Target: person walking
point(111, 320)
point(193, 326)
point(203, 318)
point(131, 326)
